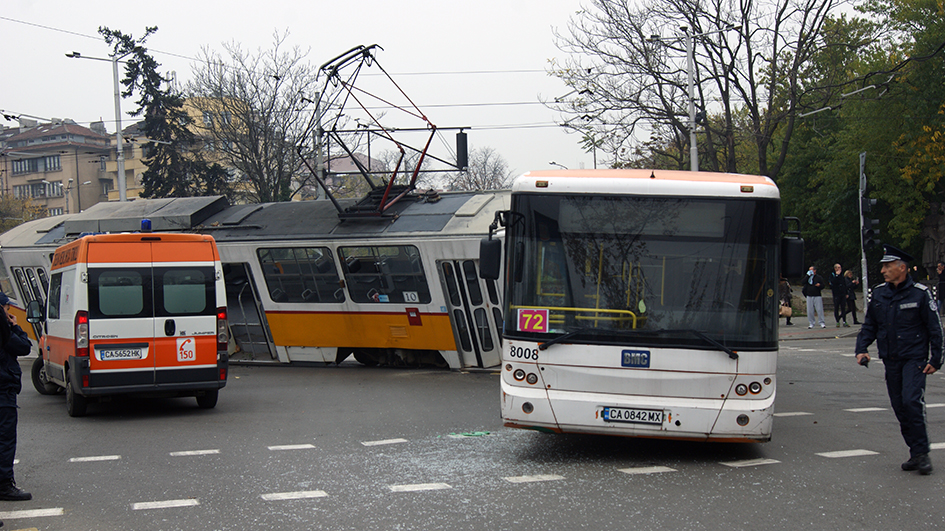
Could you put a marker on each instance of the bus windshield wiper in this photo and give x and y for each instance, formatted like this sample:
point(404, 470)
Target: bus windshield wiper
point(731, 353)
point(564, 336)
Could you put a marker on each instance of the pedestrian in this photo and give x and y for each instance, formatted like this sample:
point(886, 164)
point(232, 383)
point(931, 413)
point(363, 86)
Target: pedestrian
point(852, 284)
point(838, 286)
point(812, 289)
point(902, 318)
point(15, 344)
point(940, 289)
point(784, 296)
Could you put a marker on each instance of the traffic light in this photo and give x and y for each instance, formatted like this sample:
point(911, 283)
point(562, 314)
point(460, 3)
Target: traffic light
point(870, 227)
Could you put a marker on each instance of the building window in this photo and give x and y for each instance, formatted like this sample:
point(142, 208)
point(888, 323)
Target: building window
point(52, 163)
point(25, 166)
point(54, 211)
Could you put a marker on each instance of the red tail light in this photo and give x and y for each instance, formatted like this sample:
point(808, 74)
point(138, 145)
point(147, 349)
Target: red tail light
point(82, 333)
point(223, 335)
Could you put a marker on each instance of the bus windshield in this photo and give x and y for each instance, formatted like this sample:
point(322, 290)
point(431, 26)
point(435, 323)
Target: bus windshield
point(644, 270)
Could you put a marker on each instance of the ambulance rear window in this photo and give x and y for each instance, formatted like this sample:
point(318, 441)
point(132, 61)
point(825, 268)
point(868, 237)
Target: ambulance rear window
point(184, 291)
point(121, 292)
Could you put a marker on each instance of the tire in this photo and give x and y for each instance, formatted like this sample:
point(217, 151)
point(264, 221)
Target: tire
point(76, 404)
point(365, 358)
point(208, 400)
point(40, 382)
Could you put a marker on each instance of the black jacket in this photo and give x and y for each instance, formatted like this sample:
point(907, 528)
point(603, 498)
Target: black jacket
point(904, 323)
point(838, 286)
point(17, 344)
point(810, 290)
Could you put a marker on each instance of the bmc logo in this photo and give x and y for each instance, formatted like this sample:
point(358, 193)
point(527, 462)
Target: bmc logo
point(635, 358)
point(186, 349)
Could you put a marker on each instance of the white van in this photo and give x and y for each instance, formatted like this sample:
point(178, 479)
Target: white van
point(141, 313)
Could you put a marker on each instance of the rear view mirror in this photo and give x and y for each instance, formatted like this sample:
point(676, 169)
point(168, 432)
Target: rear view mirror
point(490, 258)
point(34, 312)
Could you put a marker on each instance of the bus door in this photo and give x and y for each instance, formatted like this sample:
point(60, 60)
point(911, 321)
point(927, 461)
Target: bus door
point(27, 278)
point(473, 305)
point(245, 317)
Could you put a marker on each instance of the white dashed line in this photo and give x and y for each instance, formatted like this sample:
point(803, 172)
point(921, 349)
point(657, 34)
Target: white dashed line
point(646, 470)
point(419, 487)
point(166, 504)
point(292, 447)
point(385, 441)
point(533, 479)
point(93, 458)
point(297, 495)
point(865, 409)
point(194, 452)
point(750, 462)
point(847, 453)
point(31, 513)
point(937, 446)
point(792, 414)
point(934, 405)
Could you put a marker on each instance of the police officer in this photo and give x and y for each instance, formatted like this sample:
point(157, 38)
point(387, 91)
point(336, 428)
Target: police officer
point(15, 343)
point(902, 317)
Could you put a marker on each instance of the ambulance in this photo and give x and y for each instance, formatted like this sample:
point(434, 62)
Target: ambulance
point(133, 314)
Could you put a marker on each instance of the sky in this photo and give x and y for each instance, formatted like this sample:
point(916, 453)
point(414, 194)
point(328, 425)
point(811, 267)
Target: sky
point(481, 65)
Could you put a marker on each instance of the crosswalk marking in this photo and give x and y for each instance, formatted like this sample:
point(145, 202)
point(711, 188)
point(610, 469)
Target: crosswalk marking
point(93, 458)
point(792, 414)
point(383, 442)
point(865, 409)
point(31, 513)
point(166, 504)
point(194, 452)
point(847, 453)
point(750, 462)
point(533, 479)
point(419, 487)
point(291, 447)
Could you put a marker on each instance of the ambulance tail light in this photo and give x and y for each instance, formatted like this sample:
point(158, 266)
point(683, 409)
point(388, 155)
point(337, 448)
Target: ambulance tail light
point(223, 336)
point(82, 333)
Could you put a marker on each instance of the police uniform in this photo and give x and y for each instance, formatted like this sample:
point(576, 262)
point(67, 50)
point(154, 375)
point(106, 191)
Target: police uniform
point(15, 344)
point(904, 322)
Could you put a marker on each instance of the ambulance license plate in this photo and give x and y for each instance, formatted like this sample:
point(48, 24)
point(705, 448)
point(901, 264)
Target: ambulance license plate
point(120, 354)
point(633, 415)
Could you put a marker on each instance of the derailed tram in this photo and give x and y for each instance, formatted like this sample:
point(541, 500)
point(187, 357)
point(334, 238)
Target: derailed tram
point(306, 285)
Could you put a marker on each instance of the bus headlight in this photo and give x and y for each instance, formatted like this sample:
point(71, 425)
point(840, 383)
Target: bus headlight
point(532, 378)
point(754, 387)
point(519, 375)
point(741, 389)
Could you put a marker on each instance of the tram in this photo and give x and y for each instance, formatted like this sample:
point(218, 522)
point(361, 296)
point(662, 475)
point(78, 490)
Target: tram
point(304, 284)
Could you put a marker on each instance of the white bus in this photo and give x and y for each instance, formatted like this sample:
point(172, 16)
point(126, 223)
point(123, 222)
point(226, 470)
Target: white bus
point(642, 302)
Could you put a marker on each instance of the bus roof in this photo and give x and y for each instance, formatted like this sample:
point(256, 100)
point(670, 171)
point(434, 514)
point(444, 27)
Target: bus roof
point(646, 182)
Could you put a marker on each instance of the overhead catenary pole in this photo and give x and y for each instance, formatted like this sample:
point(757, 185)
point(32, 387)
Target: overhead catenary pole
point(862, 194)
point(120, 157)
point(690, 68)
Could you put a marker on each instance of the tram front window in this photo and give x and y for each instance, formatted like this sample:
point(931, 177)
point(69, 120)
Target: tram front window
point(645, 268)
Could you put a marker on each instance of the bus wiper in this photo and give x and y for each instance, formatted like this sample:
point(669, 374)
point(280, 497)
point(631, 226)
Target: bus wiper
point(731, 353)
point(564, 336)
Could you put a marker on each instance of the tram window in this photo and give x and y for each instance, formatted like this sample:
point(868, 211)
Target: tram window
point(41, 273)
point(499, 323)
point(493, 292)
point(40, 295)
point(451, 286)
point(55, 289)
point(463, 330)
point(24, 287)
point(385, 274)
point(472, 282)
point(482, 325)
point(301, 274)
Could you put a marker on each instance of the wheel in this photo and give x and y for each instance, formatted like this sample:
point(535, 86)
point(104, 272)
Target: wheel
point(208, 400)
point(76, 404)
point(365, 358)
point(40, 382)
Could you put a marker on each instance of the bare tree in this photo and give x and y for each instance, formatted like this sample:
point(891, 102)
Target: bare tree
point(629, 79)
point(487, 170)
point(252, 108)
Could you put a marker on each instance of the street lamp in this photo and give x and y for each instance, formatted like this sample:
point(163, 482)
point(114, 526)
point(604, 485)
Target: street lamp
point(120, 157)
point(691, 72)
point(553, 163)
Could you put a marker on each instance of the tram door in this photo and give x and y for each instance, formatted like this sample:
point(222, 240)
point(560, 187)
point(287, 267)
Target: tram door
point(473, 305)
point(245, 316)
point(33, 284)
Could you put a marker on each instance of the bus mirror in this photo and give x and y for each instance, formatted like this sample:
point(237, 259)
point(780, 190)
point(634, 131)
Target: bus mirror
point(490, 258)
point(792, 257)
point(34, 312)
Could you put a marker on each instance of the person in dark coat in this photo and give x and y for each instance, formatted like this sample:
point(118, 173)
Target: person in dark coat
point(852, 285)
point(784, 295)
point(902, 317)
point(940, 289)
point(838, 287)
point(15, 344)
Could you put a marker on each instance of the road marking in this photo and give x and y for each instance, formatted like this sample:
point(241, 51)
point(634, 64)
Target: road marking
point(194, 452)
point(937, 446)
point(93, 458)
point(792, 414)
point(31, 513)
point(934, 405)
point(533, 479)
point(865, 409)
point(847, 453)
point(385, 441)
point(292, 447)
point(297, 495)
point(750, 462)
point(646, 470)
point(166, 504)
point(419, 487)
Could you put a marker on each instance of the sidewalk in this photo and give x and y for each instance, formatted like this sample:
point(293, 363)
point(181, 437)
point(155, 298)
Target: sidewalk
point(799, 330)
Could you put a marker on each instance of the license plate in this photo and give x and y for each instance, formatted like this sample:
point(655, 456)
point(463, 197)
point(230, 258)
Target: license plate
point(633, 415)
point(120, 354)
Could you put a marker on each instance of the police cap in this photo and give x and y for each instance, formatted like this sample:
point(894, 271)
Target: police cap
point(891, 254)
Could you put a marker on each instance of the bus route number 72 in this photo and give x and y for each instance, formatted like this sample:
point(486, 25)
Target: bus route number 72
point(532, 320)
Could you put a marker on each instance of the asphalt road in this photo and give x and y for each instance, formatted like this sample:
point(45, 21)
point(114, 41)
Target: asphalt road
point(356, 448)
